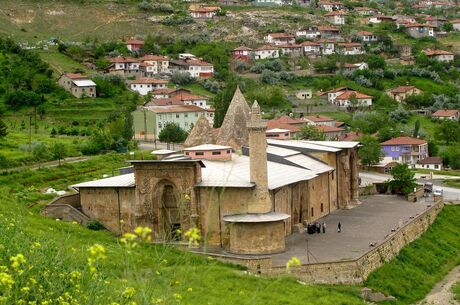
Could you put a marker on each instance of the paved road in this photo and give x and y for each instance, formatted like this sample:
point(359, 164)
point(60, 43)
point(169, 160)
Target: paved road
point(154, 146)
point(450, 193)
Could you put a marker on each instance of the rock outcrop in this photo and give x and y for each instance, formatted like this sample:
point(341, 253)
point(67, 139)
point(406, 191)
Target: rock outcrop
point(202, 133)
point(233, 131)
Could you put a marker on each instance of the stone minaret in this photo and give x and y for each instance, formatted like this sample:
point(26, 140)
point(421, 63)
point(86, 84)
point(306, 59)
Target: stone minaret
point(258, 161)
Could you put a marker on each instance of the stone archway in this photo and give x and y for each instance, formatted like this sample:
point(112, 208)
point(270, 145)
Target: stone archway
point(168, 201)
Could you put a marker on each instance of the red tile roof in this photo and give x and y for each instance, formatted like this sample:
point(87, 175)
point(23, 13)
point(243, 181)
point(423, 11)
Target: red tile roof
point(176, 108)
point(318, 118)
point(352, 94)
point(151, 57)
point(121, 59)
point(325, 128)
point(430, 160)
point(349, 44)
point(419, 25)
point(365, 33)
point(437, 52)
point(327, 28)
point(402, 89)
point(351, 136)
point(445, 113)
point(335, 13)
point(75, 75)
point(242, 48)
point(204, 9)
point(134, 41)
point(281, 35)
point(404, 141)
point(147, 81)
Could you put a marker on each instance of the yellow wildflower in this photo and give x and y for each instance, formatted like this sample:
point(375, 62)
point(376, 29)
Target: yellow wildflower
point(25, 289)
point(17, 261)
point(6, 280)
point(189, 289)
point(293, 262)
point(143, 232)
point(129, 292)
point(194, 236)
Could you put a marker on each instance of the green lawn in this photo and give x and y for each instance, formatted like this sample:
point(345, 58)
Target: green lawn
point(456, 291)
point(419, 266)
point(56, 258)
point(61, 63)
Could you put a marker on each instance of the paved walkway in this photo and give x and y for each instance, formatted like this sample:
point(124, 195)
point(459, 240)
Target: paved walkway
point(442, 293)
point(370, 222)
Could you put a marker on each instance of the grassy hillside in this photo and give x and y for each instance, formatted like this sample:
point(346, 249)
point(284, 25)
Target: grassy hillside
point(56, 258)
point(419, 266)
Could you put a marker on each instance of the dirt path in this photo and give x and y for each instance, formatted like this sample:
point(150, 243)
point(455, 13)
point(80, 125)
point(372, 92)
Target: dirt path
point(442, 292)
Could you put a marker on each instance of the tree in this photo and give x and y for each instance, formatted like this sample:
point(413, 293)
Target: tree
point(448, 27)
point(40, 152)
point(58, 151)
point(448, 131)
point(376, 62)
point(222, 100)
point(311, 132)
point(416, 129)
point(172, 133)
point(451, 156)
point(370, 152)
point(403, 179)
point(3, 129)
point(433, 149)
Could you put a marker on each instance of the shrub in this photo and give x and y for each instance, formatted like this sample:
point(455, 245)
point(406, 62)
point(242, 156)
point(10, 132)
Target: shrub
point(269, 77)
point(181, 78)
point(94, 225)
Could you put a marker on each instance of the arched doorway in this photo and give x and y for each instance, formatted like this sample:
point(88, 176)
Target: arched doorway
point(170, 214)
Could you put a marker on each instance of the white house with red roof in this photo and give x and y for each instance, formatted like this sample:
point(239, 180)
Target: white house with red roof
point(266, 52)
point(366, 36)
point(203, 12)
point(432, 163)
point(127, 66)
point(134, 45)
point(242, 53)
point(311, 48)
point(196, 67)
point(439, 55)
point(152, 65)
point(329, 32)
point(364, 11)
point(348, 98)
point(350, 48)
point(309, 32)
point(279, 39)
point(330, 5)
point(400, 93)
point(446, 114)
point(336, 17)
point(145, 85)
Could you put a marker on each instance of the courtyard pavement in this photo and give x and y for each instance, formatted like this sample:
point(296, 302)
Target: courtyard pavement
point(370, 222)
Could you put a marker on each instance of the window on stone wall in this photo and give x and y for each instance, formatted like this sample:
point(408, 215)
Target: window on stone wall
point(199, 153)
point(216, 152)
point(322, 208)
point(312, 214)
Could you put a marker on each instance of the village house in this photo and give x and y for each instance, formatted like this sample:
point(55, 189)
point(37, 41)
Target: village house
point(287, 123)
point(278, 133)
point(366, 36)
point(309, 32)
point(134, 45)
point(329, 32)
point(168, 92)
point(266, 52)
point(400, 93)
point(376, 19)
point(211, 152)
point(331, 132)
point(365, 11)
point(311, 48)
point(437, 22)
point(77, 84)
point(242, 53)
point(145, 85)
point(182, 97)
point(304, 94)
point(268, 2)
point(405, 150)
point(354, 67)
point(332, 94)
point(336, 17)
point(455, 24)
point(352, 99)
point(149, 121)
point(292, 50)
point(350, 48)
point(439, 55)
point(152, 65)
point(196, 67)
point(203, 12)
point(432, 163)
point(318, 120)
point(327, 46)
point(446, 114)
point(125, 66)
point(279, 39)
point(419, 30)
point(330, 5)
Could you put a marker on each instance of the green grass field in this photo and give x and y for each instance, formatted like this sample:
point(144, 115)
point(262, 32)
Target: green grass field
point(56, 258)
point(419, 266)
point(456, 291)
point(61, 63)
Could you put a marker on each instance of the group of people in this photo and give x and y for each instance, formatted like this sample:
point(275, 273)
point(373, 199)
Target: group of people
point(317, 227)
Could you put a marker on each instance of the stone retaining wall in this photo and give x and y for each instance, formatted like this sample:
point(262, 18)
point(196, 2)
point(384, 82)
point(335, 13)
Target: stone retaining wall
point(353, 271)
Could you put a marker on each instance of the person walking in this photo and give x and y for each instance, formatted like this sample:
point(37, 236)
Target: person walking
point(339, 227)
point(324, 227)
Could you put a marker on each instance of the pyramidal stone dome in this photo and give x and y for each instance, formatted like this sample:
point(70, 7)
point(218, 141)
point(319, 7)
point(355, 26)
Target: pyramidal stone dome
point(233, 131)
point(202, 133)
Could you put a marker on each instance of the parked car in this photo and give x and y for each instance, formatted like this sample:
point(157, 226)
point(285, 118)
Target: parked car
point(437, 192)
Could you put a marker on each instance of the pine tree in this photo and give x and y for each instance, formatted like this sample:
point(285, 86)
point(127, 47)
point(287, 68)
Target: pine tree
point(3, 129)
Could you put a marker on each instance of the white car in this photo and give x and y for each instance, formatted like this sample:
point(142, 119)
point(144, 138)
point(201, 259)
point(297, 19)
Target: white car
point(437, 192)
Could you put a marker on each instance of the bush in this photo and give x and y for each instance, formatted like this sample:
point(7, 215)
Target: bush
point(269, 77)
point(181, 78)
point(212, 86)
point(94, 225)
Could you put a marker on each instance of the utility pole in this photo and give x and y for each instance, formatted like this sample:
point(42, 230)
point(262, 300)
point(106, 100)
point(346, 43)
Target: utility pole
point(145, 126)
point(30, 132)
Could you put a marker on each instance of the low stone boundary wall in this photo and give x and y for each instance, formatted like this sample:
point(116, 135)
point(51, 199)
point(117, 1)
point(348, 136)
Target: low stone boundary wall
point(353, 271)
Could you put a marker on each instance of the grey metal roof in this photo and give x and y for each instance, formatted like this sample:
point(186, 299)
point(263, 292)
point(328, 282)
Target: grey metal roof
point(162, 152)
point(298, 144)
point(256, 217)
point(300, 159)
point(235, 173)
point(126, 180)
point(335, 144)
point(84, 83)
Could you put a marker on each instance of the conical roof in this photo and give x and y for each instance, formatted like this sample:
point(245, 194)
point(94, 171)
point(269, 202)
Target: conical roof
point(202, 133)
point(233, 131)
